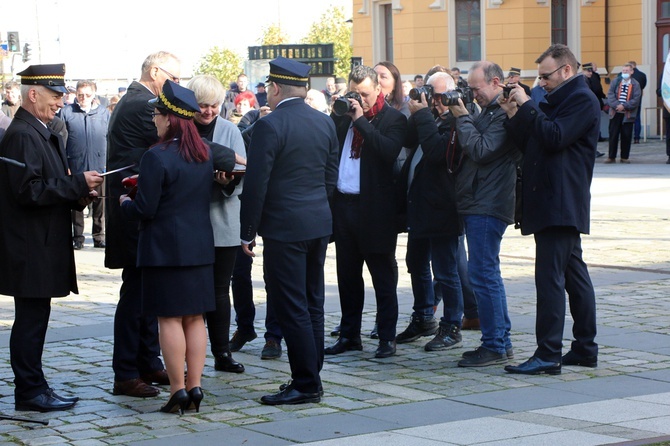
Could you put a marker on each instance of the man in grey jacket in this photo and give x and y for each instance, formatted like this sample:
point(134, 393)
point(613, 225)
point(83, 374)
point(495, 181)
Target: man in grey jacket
point(485, 192)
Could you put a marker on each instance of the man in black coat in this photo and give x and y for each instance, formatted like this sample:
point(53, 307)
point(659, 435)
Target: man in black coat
point(559, 140)
point(291, 173)
point(370, 135)
point(36, 256)
point(136, 361)
point(433, 225)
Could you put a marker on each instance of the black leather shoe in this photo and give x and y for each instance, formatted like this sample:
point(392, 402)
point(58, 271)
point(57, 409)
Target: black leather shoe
point(344, 344)
point(285, 386)
point(99, 244)
point(226, 363)
point(67, 399)
point(78, 245)
point(336, 331)
point(535, 366)
point(572, 358)
point(44, 402)
point(290, 396)
point(416, 329)
point(386, 349)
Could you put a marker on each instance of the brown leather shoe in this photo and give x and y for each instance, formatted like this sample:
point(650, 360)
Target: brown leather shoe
point(159, 377)
point(135, 387)
point(470, 324)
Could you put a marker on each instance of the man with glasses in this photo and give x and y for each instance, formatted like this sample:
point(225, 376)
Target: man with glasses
point(86, 147)
point(559, 139)
point(485, 190)
point(136, 361)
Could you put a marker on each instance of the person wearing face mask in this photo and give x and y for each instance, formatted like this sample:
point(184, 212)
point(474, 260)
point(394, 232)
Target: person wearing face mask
point(624, 98)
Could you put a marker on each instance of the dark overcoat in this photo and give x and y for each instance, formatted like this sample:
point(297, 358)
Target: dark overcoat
point(36, 255)
point(559, 140)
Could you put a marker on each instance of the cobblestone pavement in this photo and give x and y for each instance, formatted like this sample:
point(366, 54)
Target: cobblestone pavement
point(416, 397)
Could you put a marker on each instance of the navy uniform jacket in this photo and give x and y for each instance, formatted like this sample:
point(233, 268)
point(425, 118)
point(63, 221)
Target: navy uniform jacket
point(172, 205)
point(383, 139)
point(131, 133)
point(559, 140)
point(291, 172)
point(36, 256)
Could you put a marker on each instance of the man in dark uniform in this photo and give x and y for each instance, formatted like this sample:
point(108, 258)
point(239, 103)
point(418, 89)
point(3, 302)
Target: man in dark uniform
point(291, 172)
point(370, 135)
point(514, 77)
point(136, 361)
point(557, 171)
point(36, 256)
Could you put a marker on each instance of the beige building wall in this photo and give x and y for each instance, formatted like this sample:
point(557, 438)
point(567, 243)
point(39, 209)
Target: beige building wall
point(514, 32)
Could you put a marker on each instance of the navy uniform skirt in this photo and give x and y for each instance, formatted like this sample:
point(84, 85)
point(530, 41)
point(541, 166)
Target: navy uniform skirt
point(177, 291)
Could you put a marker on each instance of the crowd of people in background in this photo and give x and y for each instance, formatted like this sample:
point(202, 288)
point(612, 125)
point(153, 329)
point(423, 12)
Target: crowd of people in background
point(198, 171)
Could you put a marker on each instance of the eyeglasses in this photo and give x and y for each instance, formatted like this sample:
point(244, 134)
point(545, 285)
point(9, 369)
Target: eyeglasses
point(154, 114)
point(546, 76)
point(172, 77)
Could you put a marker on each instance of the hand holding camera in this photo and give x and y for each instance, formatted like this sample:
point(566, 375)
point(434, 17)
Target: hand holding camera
point(342, 105)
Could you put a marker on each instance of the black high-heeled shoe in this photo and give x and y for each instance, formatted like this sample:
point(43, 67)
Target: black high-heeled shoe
point(195, 396)
point(178, 401)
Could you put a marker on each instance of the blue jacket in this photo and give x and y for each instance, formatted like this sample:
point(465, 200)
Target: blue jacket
point(86, 144)
point(559, 140)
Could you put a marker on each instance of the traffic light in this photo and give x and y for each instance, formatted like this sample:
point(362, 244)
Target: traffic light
point(13, 44)
point(26, 52)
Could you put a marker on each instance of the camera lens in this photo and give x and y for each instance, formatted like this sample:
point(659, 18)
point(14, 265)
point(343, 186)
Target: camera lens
point(341, 106)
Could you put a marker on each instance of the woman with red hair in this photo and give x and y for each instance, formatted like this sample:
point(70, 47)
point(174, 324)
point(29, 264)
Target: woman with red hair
point(176, 244)
point(244, 102)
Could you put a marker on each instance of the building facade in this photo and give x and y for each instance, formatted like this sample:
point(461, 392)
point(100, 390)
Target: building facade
point(418, 34)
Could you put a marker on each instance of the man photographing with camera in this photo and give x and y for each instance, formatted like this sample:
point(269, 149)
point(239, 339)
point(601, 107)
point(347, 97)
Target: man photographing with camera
point(485, 192)
point(371, 134)
point(428, 199)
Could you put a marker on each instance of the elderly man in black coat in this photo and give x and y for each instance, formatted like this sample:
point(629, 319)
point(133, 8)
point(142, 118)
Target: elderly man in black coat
point(559, 148)
point(36, 256)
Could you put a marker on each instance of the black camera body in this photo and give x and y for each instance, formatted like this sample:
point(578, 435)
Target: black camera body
point(506, 90)
point(415, 93)
point(465, 94)
point(342, 106)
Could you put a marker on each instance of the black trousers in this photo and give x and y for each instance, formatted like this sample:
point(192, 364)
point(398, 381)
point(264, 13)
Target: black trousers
point(136, 346)
point(294, 280)
point(383, 269)
point(243, 293)
point(218, 321)
point(26, 343)
point(98, 216)
point(559, 268)
point(625, 130)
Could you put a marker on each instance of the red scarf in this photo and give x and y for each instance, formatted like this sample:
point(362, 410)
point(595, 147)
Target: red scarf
point(357, 142)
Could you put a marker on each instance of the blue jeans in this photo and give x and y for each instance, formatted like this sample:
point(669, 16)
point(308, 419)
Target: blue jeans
point(484, 235)
point(441, 252)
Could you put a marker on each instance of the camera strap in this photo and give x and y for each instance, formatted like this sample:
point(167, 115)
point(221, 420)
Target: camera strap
point(451, 152)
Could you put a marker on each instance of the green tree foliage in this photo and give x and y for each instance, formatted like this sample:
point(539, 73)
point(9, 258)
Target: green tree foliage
point(332, 27)
point(222, 63)
point(273, 35)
